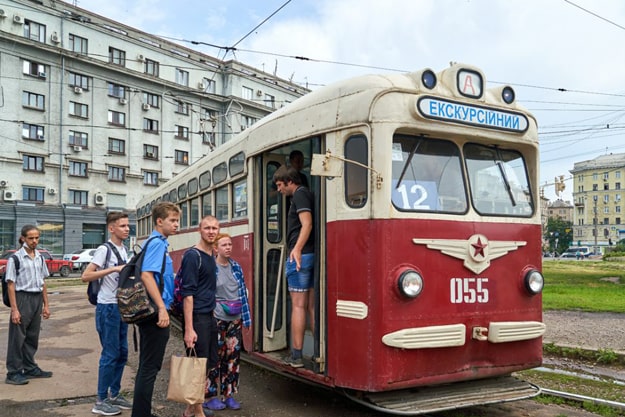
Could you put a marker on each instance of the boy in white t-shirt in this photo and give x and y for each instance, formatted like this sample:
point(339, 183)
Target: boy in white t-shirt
point(111, 329)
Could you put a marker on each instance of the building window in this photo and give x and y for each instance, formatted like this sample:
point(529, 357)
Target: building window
point(78, 139)
point(617, 186)
point(208, 138)
point(32, 163)
point(606, 186)
point(151, 67)
point(208, 114)
point(117, 56)
point(33, 194)
point(34, 132)
point(606, 210)
point(78, 80)
point(182, 132)
point(606, 176)
point(78, 44)
point(595, 176)
point(32, 100)
point(34, 31)
point(182, 77)
point(617, 197)
point(150, 178)
point(617, 220)
point(150, 151)
point(150, 125)
point(606, 198)
point(117, 174)
point(247, 93)
point(77, 169)
point(617, 209)
point(247, 121)
point(152, 99)
point(78, 197)
point(116, 90)
point(209, 86)
point(270, 101)
point(34, 69)
point(117, 146)
point(78, 109)
point(595, 187)
point(182, 107)
point(617, 174)
point(182, 157)
point(117, 118)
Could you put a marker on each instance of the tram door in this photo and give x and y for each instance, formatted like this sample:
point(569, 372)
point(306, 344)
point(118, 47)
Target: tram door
point(274, 251)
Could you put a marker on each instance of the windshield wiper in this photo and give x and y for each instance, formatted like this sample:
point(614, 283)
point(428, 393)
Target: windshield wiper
point(412, 152)
point(504, 176)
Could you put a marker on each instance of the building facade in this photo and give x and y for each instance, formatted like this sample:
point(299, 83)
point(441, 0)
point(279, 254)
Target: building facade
point(94, 113)
point(598, 199)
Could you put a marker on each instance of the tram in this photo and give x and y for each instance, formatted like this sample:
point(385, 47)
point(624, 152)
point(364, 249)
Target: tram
point(428, 237)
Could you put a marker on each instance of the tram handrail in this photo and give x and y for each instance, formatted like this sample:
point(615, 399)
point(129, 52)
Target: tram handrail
point(278, 286)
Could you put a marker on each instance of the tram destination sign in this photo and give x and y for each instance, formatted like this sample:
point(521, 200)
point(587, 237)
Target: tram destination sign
point(452, 111)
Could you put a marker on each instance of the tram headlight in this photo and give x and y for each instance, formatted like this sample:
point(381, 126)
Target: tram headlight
point(507, 94)
point(410, 283)
point(428, 78)
point(534, 281)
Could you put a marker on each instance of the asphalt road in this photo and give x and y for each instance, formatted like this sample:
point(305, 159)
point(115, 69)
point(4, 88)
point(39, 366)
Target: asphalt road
point(69, 347)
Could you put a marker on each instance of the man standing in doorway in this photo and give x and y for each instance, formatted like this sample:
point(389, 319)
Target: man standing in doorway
point(299, 264)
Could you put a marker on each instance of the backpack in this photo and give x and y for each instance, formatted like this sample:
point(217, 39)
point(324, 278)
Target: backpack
point(94, 286)
point(134, 303)
point(176, 310)
point(5, 291)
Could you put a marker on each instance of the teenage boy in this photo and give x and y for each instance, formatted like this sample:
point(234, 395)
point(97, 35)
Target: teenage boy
point(28, 296)
point(199, 280)
point(154, 334)
point(299, 264)
point(105, 266)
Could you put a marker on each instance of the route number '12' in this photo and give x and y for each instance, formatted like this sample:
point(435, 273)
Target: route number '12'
point(468, 290)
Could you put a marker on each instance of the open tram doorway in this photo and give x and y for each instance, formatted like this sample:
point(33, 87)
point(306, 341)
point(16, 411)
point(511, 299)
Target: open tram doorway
point(273, 300)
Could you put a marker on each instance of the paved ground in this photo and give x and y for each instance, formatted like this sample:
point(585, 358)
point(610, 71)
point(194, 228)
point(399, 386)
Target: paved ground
point(69, 347)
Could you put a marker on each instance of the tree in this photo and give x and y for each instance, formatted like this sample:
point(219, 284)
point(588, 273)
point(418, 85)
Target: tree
point(559, 233)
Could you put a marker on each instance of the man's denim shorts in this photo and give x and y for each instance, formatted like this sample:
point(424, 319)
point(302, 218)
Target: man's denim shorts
point(302, 280)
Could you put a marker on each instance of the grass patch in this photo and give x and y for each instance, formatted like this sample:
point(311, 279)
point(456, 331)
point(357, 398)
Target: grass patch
point(575, 285)
point(63, 282)
point(602, 356)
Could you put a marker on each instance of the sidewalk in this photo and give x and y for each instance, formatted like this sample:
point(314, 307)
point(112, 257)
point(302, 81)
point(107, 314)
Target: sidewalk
point(69, 347)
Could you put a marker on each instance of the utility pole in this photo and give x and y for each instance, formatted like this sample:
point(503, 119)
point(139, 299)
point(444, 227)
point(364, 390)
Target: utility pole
point(596, 248)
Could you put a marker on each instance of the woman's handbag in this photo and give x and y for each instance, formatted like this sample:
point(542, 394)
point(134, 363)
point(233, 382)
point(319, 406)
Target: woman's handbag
point(187, 379)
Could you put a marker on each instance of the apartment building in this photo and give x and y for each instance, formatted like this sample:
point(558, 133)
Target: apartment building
point(94, 113)
point(598, 199)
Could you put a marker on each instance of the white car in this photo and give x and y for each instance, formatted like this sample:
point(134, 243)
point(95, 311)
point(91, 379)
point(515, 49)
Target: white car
point(81, 258)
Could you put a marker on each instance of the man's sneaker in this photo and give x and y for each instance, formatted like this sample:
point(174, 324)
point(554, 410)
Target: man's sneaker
point(16, 379)
point(37, 373)
point(121, 402)
point(295, 363)
point(106, 408)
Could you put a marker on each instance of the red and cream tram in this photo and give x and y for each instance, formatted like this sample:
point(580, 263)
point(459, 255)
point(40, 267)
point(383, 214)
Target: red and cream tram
point(428, 239)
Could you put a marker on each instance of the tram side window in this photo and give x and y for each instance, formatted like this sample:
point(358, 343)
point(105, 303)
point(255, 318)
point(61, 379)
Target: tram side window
point(239, 197)
point(499, 181)
point(184, 215)
point(221, 204)
point(207, 204)
point(427, 175)
point(356, 177)
point(194, 219)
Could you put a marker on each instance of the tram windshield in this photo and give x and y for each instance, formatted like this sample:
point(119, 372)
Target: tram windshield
point(499, 181)
point(428, 176)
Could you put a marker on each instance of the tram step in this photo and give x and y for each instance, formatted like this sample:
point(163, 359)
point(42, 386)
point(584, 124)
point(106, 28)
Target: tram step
point(450, 396)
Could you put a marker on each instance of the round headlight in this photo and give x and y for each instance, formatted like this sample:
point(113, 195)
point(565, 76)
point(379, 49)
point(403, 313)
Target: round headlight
point(507, 94)
point(534, 281)
point(428, 78)
point(410, 283)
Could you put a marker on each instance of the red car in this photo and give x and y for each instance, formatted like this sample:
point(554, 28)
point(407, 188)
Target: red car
point(55, 266)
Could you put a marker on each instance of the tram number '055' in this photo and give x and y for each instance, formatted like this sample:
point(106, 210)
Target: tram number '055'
point(468, 290)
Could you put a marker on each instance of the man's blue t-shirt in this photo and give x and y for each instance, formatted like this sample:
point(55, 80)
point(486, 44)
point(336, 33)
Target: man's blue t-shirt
point(153, 262)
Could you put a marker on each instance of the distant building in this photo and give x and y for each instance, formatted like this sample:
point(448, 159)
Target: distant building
point(96, 113)
point(560, 209)
point(598, 200)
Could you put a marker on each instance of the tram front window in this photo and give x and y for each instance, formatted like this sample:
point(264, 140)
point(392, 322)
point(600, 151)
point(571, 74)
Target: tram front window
point(427, 175)
point(499, 181)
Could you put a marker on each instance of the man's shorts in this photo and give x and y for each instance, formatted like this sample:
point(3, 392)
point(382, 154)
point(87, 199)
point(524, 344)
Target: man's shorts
point(302, 280)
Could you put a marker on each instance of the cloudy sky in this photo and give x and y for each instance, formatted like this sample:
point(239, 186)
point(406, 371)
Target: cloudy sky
point(559, 55)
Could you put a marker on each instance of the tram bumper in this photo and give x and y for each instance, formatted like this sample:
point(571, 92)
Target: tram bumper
point(437, 398)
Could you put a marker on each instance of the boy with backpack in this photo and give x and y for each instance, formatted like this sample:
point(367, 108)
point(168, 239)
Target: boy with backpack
point(103, 271)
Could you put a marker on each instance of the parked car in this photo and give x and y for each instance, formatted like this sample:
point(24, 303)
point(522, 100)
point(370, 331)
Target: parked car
point(55, 266)
point(80, 258)
point(576, 252)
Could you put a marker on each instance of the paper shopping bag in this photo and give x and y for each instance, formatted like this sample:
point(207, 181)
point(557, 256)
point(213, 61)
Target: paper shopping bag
point(187, 379)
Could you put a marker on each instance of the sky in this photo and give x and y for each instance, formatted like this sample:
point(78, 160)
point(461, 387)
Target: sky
point(557, 54)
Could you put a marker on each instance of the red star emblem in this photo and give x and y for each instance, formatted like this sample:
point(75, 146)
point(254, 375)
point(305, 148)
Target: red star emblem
point(479, 247)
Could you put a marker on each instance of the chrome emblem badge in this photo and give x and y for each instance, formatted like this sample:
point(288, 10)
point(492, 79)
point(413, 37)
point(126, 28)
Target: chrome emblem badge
point(476, 252)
